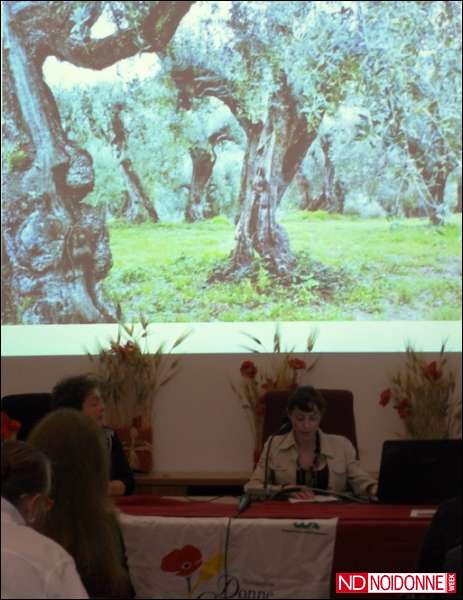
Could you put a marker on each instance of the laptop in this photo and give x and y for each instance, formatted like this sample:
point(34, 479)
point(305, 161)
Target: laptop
point(419, 471)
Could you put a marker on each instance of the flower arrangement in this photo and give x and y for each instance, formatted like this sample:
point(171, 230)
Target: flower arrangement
point(131, 376)
point(421, 393)
point(10, 427)
point(280, 373)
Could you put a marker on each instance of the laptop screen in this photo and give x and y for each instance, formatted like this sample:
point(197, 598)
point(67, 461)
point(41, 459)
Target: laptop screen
point(420, 471)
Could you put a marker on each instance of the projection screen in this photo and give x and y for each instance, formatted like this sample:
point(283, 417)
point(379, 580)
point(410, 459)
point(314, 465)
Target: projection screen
point(221, 167)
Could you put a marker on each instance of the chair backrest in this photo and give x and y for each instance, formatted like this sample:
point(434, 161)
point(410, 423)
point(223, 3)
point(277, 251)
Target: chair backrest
point(338, 417)
point(28, 409)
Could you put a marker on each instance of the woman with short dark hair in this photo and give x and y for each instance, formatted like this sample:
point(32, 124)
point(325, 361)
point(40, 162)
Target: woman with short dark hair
point(308, 457)
point(33, 566)
point(82, 392)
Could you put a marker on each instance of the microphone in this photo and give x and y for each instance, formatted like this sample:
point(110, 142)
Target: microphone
point(259, 494)
point(254, 495)
point(244, 502)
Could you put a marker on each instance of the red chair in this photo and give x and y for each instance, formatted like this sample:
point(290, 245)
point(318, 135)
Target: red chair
point(338, 417)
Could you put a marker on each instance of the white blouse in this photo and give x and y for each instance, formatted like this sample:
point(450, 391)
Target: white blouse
point(34, 566)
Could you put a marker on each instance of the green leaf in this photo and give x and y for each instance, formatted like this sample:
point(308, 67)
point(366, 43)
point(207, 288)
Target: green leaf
point(181, 338)
point(251, 337)
point(277, 339)
point(249, 349)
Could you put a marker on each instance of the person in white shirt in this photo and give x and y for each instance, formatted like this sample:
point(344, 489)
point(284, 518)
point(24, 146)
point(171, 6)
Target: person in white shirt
point(33, 566)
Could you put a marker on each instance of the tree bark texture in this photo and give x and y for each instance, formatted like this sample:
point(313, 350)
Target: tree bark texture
point(434, 175)
point(198, 205)
point(275, 149)
point(138, 207)
point(331, 197)
point(56, 248)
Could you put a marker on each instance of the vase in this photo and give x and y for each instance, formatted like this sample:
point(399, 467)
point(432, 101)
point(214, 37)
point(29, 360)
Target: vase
point(137, 443)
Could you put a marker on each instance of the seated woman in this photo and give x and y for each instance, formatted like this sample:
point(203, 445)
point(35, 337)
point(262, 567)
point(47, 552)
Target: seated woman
point(83, 518)
point(33, 566)
point(309, 458)
point(82, 392)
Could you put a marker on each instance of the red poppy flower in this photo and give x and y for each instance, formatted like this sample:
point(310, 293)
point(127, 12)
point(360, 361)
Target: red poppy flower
point(10, 427)
point(296, 363)
point(404, 403)
point(183, 561)
point(248, 369)
point(404, 412)
point(404, 408)
point(431, 371)
point(385, 397)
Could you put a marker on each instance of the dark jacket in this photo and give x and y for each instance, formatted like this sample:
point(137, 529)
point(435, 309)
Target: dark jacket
point(120, 469)
point(443, 534)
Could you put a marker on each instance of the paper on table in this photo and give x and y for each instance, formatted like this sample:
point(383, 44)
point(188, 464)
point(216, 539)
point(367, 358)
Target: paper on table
point(423, 512)
point(315, 499)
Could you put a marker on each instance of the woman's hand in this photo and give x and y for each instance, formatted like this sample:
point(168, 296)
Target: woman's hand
point(302, 493)
point(116, 488)
point(372, 490)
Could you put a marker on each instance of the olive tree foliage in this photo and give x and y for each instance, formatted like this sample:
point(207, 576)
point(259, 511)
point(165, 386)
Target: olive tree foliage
point(122, 124)
point(278, 66)
point(55, 248)
point(394, 145)
point(173, 152)
point(411, 85)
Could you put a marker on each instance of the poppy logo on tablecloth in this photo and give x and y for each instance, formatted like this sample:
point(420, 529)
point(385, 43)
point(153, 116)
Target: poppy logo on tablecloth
point(182, 562)
point(185, 561)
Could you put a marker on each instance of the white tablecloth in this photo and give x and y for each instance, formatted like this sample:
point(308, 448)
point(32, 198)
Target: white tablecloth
point(172, 557)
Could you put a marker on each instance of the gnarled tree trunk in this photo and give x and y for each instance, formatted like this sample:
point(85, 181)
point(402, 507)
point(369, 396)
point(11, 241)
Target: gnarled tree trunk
point(198, 205)
point(56, 248)
point(138, 207)
point(275, 149)
point(274, 153)
point(434, 176)
point(331, 197)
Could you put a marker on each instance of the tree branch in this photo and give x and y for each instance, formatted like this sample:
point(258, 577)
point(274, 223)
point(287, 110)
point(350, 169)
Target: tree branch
point(68, 26)
point(198, 83)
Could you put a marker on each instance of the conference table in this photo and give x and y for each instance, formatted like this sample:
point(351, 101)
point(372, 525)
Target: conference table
point(368, 537)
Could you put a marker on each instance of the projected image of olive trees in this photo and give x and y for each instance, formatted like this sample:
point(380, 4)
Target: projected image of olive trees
point(240, 161)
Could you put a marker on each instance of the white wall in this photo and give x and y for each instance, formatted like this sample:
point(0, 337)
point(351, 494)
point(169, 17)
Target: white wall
point(199, 425)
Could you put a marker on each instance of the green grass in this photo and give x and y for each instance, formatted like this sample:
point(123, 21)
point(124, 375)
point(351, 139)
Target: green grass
point(348, 268)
